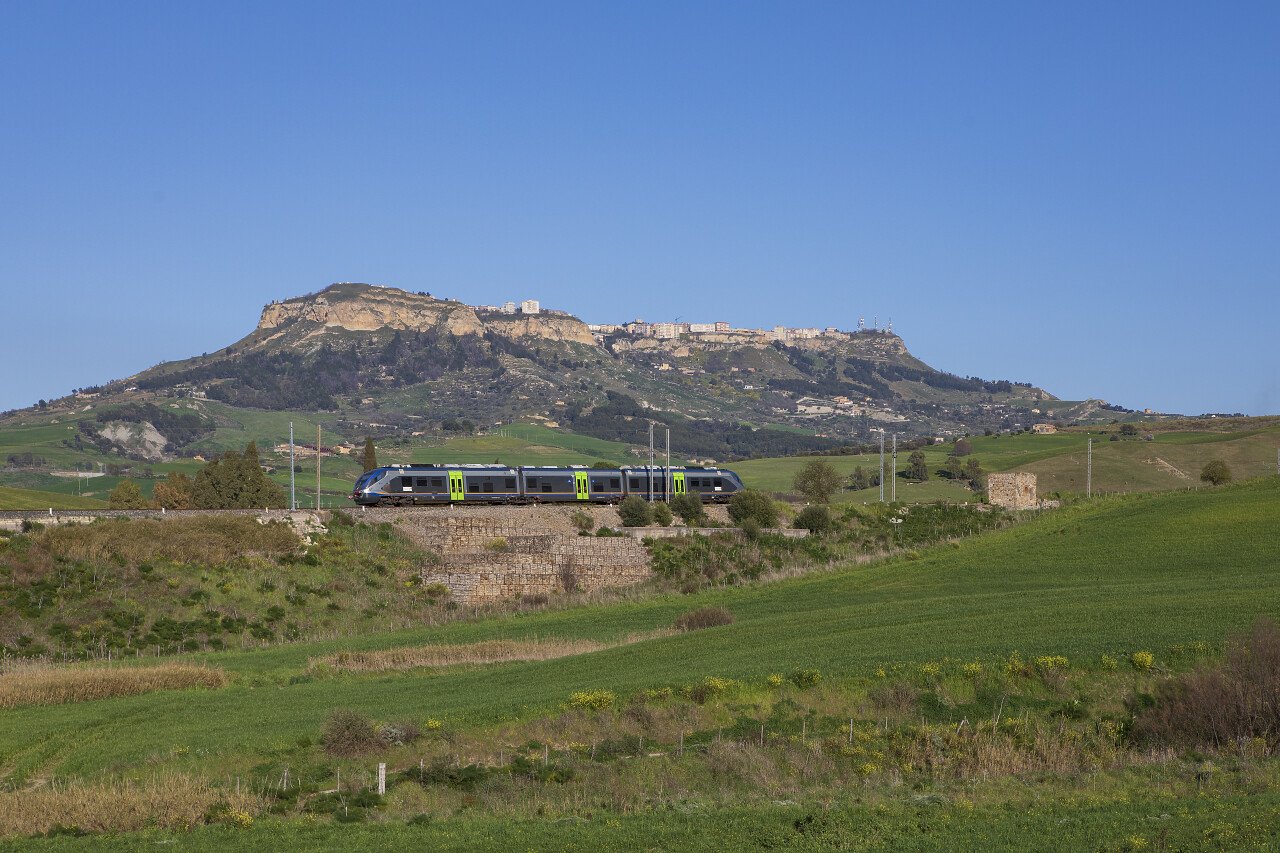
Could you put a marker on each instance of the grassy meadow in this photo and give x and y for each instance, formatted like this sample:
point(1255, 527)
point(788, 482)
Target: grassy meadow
point(968, 687)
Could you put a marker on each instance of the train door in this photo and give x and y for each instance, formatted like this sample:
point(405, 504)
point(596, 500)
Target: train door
point(456, 490)
point(677, 482)
point(582, 485)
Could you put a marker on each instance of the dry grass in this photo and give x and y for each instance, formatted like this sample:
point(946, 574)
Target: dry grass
point(202, 539)
point(50, 685)
point(488, 651)
point(170, 802)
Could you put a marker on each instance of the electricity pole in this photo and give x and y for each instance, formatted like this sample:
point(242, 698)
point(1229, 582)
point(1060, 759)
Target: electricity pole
point(666, 475)
point(293, 495)
point(1088, 489)
point(317, 467)
point(893, 488)
point(882, 465)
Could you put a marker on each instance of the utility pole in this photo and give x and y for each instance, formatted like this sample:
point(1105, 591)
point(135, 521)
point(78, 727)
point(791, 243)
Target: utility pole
point(650, 461)
point(893, 488)
point(881, 465)
point(317, 467)
point(1088, 489)
point(293, 494)
point(666, 475)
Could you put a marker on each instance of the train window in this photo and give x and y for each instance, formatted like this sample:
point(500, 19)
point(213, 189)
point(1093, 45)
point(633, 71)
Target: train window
point(473, 484)
point(422, 484)
point(719, 483)
point(488, 486)
point(694, 483)
point(437, 482)
point(635, 483)
point(393, 485)
point(546, 487)
point(615, 482)
point(532, 482)
point(510, 483)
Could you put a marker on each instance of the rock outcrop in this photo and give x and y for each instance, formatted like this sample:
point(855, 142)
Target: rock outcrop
point(366, 308)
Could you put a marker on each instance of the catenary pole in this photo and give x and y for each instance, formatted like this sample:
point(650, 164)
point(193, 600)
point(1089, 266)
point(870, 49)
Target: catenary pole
point(317, 467)
point(293, 494)
point(1088, 488)
point(650, 461)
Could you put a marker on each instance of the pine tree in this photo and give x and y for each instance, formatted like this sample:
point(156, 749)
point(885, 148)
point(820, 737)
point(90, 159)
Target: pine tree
point(370, 456)
point(236, 481)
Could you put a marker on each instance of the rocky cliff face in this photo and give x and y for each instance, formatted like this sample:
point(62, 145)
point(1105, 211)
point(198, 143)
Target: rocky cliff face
point(365, 308)
point(540, 326)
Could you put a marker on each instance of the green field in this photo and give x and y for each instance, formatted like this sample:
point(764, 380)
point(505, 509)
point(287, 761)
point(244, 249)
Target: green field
point(1110, 577)
point(17, 499)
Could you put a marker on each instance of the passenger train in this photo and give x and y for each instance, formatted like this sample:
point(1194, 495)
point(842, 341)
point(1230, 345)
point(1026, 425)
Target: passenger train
point(413, 485)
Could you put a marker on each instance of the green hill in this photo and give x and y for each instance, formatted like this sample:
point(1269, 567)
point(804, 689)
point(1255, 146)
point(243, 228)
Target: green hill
point(18, 499)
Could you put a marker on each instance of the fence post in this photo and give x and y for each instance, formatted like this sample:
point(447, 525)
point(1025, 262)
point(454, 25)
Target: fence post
point(382, 778)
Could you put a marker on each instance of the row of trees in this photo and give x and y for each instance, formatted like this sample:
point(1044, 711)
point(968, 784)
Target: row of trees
point(232, 481)
point(819, 480)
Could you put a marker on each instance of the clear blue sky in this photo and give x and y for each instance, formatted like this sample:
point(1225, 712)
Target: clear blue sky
point(1085, 196)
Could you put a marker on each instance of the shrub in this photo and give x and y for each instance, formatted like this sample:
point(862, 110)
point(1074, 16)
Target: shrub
point(804, 678)
point(1215, 472)
point(662, 514)
point(635, 511)
point(347, 733)
point(751, 529)
point(591, 700)
point(704, 617)
point(755, 505)
point(688, 507)
point(1142, 661)
point(815, 519)
point(1221, 706)
point(582, 521)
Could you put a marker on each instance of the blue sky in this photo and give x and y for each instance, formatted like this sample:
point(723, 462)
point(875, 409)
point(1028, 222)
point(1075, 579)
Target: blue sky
point(1085, 196)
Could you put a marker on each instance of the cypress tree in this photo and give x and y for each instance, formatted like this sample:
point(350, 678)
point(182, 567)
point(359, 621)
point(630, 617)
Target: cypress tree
point(370, 456)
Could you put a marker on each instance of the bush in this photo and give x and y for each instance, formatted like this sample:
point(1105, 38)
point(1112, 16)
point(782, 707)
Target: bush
point(349, 734)
point(688, 507)
point(662, 514)
point(703, 617)
point(751, 529)
point(815, 519)
point(1222, 706)
point(1215, 472)
point(635, 511)
point(753, 504)
point(582, 521)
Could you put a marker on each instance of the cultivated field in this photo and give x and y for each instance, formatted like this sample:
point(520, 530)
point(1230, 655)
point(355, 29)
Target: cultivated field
point(973, 694)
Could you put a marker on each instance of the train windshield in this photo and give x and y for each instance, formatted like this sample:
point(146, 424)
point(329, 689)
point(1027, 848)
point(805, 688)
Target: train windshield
point(365, 479)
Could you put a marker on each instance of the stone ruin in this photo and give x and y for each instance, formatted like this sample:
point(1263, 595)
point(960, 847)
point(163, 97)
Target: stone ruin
point(1012, 490)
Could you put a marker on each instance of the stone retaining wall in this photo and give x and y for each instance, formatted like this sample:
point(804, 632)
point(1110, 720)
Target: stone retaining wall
point(492, 553)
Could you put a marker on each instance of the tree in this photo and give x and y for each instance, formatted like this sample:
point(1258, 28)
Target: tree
point(662, 514)
point(1128, 429)
point(370, 455)
point(817, 480)
point(635, 511)
point(235, 481)
point(862, 479)
point(174, 492)
point(954, 469)
point(1216, 472)
point(754, 505)
point(127, 495)
point(917, 467)
point(962, 448)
